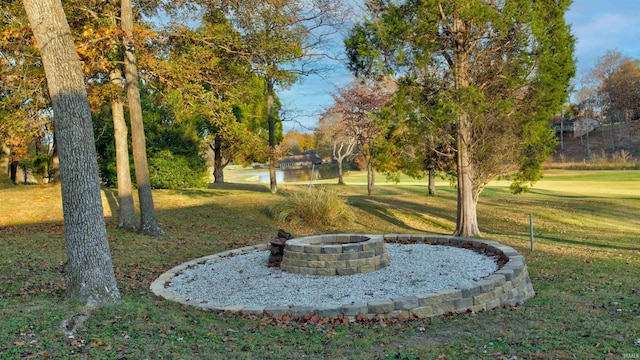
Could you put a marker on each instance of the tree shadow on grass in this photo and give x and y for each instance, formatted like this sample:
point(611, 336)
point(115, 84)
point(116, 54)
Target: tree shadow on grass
point(239, 186)
point(112, 201)
point(387, 209)
point(561, 195)
point(587, 243)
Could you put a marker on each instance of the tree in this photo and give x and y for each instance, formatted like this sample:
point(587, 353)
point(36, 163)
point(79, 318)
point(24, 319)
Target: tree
point(282, 38)
point(333, 130)
point(360, 106)
point(205, 75)
point(126, 209)
point(503, 70)
point(90, 275)
point(148, 221)
point(23, 97)
point(617, 79)
point(298, 143)
point(626, 88)
point(420, 146)
point(97, 37)
point(100, 49)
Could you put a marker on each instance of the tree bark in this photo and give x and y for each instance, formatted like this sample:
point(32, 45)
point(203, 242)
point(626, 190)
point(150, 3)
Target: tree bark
point(148, 222)
point(431, 164)
point(218, 161)
point(467, 220)
point(126, 209)
point(13, 170)
point(272, 138)
point(90, 275)
point(341, 153)
point(54, 172)
point(340, 175)
point(432, 182)
point(4, 158)
point(370, 176)
point(613, 134)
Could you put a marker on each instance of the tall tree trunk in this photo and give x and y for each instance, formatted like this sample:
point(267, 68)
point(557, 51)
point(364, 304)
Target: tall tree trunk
point(431, 161)
point(126, 209)
point(90, 276)
point(613, 134)
point(218, 161)
point(54, 171)
point(370, 176)
point(13, 169)
point(272, 138)
point(25, 173)
point(4, 158)
point(148, 222)
point(432, 182)
point(467, 219)
point(340, 175)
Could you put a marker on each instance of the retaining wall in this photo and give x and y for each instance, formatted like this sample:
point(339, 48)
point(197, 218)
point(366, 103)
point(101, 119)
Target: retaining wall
point(510, 285)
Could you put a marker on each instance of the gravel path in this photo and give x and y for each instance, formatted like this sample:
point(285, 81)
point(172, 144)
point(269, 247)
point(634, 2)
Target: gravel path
point(246, 280)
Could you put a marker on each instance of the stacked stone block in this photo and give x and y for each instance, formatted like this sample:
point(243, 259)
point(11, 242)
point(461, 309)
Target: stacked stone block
point(508, 286)
point(341, 254)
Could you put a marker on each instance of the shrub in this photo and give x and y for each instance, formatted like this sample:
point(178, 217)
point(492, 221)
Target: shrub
point(169, 171)
point(311, 207)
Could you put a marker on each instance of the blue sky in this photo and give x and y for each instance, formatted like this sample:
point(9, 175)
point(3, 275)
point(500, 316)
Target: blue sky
point(598, 25)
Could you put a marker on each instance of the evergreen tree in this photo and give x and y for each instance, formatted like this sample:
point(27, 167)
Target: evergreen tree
point(501, 70)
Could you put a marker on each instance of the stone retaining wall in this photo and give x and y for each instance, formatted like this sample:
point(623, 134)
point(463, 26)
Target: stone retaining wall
point(339, 254)
point(510, 285)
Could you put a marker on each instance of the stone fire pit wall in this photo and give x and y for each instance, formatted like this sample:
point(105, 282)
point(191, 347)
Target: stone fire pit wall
point(337, 254)
point(508, 286)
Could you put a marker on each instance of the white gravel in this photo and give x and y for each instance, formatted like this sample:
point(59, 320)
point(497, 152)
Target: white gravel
point(247, 281)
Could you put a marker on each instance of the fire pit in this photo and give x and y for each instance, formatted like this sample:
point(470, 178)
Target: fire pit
point(339, 254)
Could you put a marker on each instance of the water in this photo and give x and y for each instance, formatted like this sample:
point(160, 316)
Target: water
point(322, 172)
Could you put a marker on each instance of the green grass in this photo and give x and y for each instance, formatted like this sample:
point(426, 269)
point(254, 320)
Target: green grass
point(585, 269)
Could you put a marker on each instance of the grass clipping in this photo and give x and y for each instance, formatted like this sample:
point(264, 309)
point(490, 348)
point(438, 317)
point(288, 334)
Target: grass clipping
point(311, 207)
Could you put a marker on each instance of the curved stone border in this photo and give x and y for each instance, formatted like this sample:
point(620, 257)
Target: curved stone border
point(335, 254)
point(510, 285)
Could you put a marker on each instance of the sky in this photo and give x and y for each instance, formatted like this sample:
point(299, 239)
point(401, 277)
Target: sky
point(598, 25)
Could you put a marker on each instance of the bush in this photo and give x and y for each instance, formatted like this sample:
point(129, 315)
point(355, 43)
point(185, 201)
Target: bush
point(169, 171)
point(620, 160)
point(312, 207)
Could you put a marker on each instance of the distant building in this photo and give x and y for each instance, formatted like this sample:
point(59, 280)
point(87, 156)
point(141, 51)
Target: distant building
point(578, 126)
point(309, 158)
point(584, 125)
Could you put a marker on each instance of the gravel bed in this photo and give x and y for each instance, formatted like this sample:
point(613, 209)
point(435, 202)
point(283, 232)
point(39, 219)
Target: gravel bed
point(247, 281)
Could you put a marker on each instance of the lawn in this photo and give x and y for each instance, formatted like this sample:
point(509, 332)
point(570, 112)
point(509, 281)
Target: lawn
point(585, 270)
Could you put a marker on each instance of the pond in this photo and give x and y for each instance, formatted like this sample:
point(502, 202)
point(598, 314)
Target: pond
point(322, 172)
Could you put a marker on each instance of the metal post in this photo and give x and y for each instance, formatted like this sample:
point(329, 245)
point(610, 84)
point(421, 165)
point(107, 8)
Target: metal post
point(531, 230)
point(562, 130)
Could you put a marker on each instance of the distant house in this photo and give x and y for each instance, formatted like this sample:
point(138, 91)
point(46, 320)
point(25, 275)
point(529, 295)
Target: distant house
point(578, 126)
point(563, 125)
point(307, 159)
point(584, 125)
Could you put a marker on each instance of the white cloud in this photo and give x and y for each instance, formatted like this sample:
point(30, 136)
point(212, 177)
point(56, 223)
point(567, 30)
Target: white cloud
point(604, 25)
